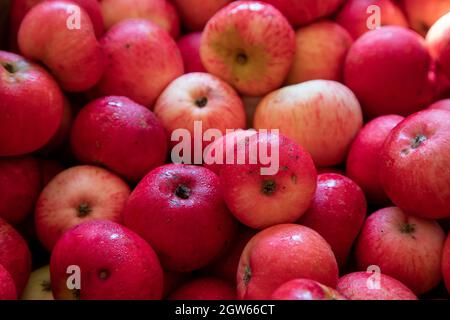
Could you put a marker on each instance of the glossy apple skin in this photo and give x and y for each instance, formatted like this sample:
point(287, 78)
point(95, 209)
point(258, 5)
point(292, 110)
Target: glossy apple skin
point(388, 70)
point(446, 263)
point(177, 106)
point(7, 286)
point(15, 256)
point(142, 60)
point(161, 12)
point(415, 164)
point(423, 14)
point(120, 134)
point(73, 55)
point(305, 289)
point(179, 210)
point(20, 184)
point(355, 287)
point(29, 95)
point(321, 49)
point(323, 116)
point(303, 12)
point(353, 15)
point(363, 159)
point(337, 213)
point(206, 288)
point(438, 40)
point(250, 45)
point(189, 46)
point(299, 251)
point(115, 264)
point(196, 13)
point(406, 248)
point(260, 201)
point(39, 285)
point(77, 195)
point(441, 104)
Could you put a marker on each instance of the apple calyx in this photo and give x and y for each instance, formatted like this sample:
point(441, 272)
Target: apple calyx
point(201, 102)
point(9, 67)
point(247, 275)
point(241, 58)
point(183, 192)
point(103, 274)
point(84, 209)
point(269, 187)
point(46, 286)
point(417, 141)
point(408, 228)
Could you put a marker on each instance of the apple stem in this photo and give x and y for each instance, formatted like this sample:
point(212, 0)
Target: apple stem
point(182, 192)
point(201, 102)
point(417, 141)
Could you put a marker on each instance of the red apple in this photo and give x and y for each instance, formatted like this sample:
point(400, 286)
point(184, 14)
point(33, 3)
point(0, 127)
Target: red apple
point(77, 195)
point(441, 104)
point(28, 96)
point(142, 60)
point(415, 164)
point(363, 286)
point(282, 253)
point(363, 159)
point(189, 46)
point(388, 70)
point(114, 264)
point(337, 213)
point(121, 135)
point(161, 12)
point(305, 289)
point(320, 53)
point(179, 210)
point(15, 256)
point(355, 15)
point(423, 14)
point(438, 40)
point(199, 97)
point(195, 13)
point(322, 116)
point(7, 286)
point(250, 45)
point(303, 12)
point(205, 289)
point(61, 35)
point(404, 247)
point(283, 195)
point(39, 285)
point(446, 263)
point(20, 182)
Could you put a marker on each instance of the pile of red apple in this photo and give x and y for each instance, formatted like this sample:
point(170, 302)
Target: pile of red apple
point(93, 93)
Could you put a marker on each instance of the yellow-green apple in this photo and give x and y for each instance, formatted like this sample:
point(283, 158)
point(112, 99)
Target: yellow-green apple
point(20, 182)
point(446, 263)
point(320, 53)
point(404, 247)
point(305, 289)
point(120, 134)
point(357, 17)
point(179, 210)
point(415, 164)
point(195, 13)
point(205, 288)
point(203, 98)
point(438, 40)
point(189, 46)
point(61, 35)
point(7, 287)
point(73, 197)
point(107, 261)
point(364, 157)
point(28, 96)
point(39, 285)
point(161, 12)
point(338, 202)
point(15, 256)
point(441, 104)
point(250, 45)
point(282, 194)
point(422, 14)
point(323, 116)
point(142, 60)
point(303, 12)
point(388, 70)
point(282, 253)
point(371, 286)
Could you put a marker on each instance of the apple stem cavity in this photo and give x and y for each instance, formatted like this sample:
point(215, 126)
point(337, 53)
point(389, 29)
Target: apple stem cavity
point(408, 228)
point(269, 187)
point(201, 102)
point(46, 286)
point(418, 140)
point(241, 58)
point(9, 67)
point(183, 192)
point(84, 209)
